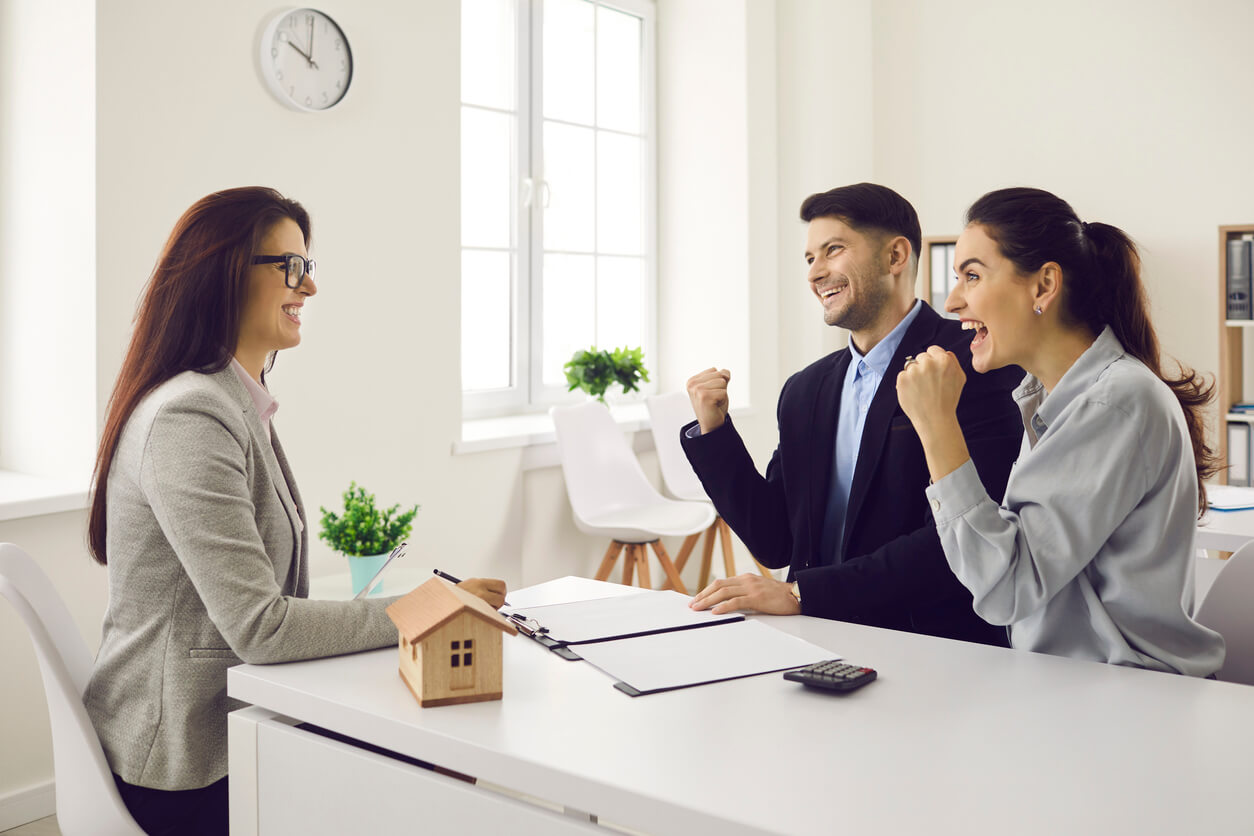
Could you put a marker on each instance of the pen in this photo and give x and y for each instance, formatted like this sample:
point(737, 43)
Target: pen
point(451, 579)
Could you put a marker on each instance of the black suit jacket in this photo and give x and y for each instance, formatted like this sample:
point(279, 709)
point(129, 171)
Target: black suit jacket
point(894, 573)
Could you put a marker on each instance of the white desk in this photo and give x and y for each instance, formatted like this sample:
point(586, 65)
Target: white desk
point(1225, 531)
point(953, 738)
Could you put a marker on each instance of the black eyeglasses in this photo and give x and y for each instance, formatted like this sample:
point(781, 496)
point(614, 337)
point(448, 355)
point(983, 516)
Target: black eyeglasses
point(295, 267)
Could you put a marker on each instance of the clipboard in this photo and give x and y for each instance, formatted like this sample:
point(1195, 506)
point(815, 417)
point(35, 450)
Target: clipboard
point(668, 661)
point(561, 627)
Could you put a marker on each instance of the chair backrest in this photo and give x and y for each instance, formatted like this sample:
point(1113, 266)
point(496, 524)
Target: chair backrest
point(87, 798)
point(1227, 610)
point(602, 473)
point(667, 415)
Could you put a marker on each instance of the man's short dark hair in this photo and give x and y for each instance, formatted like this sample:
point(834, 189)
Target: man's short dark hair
point(867, 207)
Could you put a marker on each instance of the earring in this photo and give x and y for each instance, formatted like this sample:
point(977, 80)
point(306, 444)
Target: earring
point(1037, 310)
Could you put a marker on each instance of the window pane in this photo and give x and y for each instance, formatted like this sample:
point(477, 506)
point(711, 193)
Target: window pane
point(568, 60)
point(621, 303)
point(619, 194)
point(488, 44)
point(618, 70)
point(486, 300)
point(569, 311)
point(487, 178)
point(569, 219)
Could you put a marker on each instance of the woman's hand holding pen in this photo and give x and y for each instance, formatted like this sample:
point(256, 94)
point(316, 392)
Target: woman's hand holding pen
point(928, 389)
point(491, 590)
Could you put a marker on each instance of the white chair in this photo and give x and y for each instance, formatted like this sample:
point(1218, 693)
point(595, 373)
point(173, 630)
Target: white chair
point(667, 415)
point(1226, 609)
point(87, 799)
point(611, 496)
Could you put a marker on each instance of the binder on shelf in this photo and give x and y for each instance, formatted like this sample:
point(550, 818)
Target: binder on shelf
point(1238, 278)
point(939, 276)
point(1238, 453)
point(561, 626)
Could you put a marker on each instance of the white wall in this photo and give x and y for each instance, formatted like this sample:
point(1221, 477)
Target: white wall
point(1134, 111)
point(703, 234)
point(825, 140)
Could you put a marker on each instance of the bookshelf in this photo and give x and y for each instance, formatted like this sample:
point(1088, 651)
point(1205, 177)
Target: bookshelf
point(937, 255)
point(1232, 336)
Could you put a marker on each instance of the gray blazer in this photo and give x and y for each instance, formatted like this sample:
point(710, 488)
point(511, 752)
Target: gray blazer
point(208, 567)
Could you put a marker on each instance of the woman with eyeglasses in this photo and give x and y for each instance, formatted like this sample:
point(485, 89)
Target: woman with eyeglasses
point(197, 515)
point(1090, 552)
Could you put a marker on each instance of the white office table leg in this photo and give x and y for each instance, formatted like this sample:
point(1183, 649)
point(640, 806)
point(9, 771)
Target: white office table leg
point(241, 735)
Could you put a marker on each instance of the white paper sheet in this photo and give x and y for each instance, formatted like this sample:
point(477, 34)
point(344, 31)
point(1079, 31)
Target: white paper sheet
point(630, 615)
point(694, 657)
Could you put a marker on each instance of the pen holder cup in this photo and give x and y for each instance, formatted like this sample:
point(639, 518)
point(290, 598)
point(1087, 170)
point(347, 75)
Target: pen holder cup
point(364, 568)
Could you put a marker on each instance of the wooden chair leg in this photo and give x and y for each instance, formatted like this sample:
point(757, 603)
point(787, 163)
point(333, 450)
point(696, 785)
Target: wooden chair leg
point(629, 564)
point(707, 553)
point(729, 563)
point(668, 567)
point(762, 570)
point(682, 558)
point(607, 562)
point(642, 570)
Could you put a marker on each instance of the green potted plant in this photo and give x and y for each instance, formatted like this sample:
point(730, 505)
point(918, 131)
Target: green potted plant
point(595, 371)
point(363, 533)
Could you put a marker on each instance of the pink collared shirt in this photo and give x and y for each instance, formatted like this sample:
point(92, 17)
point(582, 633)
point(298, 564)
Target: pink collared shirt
point(262, 399)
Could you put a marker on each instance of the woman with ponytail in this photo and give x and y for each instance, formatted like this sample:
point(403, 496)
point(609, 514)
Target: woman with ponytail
point(1090, 554)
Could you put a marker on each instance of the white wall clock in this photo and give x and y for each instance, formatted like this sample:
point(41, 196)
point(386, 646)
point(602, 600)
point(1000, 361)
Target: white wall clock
point(305, 60)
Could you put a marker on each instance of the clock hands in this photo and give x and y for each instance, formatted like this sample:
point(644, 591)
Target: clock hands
point(312, 62)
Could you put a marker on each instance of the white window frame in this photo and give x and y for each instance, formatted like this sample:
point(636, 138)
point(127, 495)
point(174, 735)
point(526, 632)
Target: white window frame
point(528, 192)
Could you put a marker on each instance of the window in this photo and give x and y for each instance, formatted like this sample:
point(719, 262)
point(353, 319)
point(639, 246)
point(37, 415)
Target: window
point(457, 660)
point(558, 206)
point(47, 253)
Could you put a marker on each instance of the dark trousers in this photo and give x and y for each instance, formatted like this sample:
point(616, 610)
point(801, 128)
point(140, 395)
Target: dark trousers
point(200, 812)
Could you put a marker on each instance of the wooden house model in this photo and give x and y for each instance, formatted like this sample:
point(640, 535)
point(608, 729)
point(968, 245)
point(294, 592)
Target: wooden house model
point(450, 644)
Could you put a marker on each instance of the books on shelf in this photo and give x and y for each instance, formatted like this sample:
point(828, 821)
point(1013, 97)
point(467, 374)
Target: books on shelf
point(1239, 453)
point(1240, 264)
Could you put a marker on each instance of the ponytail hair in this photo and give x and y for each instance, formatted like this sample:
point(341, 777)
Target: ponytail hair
point(1103, 287)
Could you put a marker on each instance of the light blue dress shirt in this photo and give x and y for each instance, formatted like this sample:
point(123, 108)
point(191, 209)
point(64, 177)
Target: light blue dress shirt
point(862, 380)
point(1091, 554)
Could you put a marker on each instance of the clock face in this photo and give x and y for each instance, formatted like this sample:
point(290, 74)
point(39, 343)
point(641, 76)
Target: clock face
point(305, 60)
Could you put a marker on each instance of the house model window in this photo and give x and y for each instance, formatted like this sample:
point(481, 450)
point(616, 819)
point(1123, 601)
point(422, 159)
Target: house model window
point(462, 659)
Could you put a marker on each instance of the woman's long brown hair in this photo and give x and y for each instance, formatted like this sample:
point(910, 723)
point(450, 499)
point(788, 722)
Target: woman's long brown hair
point(189, 314)
point(1032, 226)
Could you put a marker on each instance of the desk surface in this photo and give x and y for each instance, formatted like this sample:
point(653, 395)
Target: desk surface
point(1225, 531)
point(953, 737)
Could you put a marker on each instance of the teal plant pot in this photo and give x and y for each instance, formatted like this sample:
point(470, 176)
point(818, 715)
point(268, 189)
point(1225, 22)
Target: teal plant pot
point(364, 568)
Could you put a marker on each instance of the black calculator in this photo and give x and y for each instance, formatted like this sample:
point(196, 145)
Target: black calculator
point(832, 675)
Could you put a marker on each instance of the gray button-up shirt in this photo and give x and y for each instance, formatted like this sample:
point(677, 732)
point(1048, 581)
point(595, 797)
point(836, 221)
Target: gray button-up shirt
point(1091, 553)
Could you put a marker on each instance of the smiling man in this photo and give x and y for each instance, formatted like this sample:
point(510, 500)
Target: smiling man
point(842, 503)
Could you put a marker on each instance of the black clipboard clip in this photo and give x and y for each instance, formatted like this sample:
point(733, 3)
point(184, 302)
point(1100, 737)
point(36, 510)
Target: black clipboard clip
point(533, 630)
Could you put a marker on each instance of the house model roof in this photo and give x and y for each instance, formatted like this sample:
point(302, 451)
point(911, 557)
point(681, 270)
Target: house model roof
point(434, 604)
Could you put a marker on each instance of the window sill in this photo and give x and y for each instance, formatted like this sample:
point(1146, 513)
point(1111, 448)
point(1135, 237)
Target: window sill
point(24, 496)
point(534, 433)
